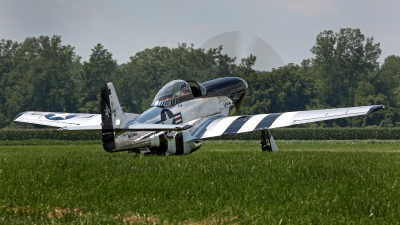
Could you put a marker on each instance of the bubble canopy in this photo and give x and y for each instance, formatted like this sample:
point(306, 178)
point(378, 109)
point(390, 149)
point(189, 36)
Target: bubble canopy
point(172, 93)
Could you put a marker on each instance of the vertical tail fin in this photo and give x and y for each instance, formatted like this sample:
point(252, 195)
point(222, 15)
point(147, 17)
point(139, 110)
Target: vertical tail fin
point(112, 116)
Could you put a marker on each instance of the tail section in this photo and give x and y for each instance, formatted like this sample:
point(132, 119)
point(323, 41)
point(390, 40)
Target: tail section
point(112, 116)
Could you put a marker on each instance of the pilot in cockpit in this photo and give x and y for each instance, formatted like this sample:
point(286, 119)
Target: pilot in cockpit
point(173, 93)
point(181, 89)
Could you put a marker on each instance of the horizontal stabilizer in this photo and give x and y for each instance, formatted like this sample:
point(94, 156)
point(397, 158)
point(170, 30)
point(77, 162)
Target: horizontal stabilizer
point(155, 127)
point(135, 127)
point(80, 128)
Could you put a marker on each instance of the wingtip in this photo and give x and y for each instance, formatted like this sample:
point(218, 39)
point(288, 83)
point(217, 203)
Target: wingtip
point(375, 108)
point(19, 115)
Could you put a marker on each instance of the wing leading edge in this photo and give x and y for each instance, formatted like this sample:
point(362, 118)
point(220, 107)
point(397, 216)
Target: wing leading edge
point(219, 125)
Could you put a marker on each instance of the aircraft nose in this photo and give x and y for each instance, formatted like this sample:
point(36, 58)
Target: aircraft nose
point(238, 92)
point(244, 83)
point(238, 86)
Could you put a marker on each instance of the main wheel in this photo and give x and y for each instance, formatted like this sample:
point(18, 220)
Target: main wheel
point(266, 148)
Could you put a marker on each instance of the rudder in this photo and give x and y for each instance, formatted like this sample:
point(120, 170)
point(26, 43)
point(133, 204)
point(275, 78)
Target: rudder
point(112, 116)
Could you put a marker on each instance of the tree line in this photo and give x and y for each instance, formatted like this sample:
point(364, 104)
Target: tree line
point(43, 74)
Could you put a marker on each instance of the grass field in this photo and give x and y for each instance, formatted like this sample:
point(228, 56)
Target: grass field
point(228, 182)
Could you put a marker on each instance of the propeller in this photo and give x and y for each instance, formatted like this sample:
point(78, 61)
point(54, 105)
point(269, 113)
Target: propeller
point(241, 45)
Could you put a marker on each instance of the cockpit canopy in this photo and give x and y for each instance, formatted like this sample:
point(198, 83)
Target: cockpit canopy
point(172, 93)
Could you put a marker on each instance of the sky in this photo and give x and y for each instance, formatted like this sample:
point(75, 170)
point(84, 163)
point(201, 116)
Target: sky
point(127, 27)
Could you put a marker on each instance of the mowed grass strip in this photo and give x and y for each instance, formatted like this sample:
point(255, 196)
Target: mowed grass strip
point(223, 182)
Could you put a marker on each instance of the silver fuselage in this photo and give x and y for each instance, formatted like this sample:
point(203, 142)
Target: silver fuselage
point(183, 103)
point(186, 112)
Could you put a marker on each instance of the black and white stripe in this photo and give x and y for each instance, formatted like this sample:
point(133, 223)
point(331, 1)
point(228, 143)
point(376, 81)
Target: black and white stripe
point(241, 124)
point(216, 126)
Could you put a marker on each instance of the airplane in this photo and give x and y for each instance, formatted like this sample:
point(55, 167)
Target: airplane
point(182, 114)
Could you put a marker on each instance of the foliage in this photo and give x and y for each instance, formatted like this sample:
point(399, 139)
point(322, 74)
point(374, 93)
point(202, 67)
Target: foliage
point(46, 134)
point(343, 60)
point(94, 74)
point(281, 90)
point(42, 74)
point(321, 134)
point(150, 69)
point(279, 134)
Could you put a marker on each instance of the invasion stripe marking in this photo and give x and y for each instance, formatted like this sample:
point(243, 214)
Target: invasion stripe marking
point(199, 131)
point(179, 143)
point(219, 128)
point(267, 121)
point(285, 120)
point(236, 125)
point(252, 123)
point(211, 126)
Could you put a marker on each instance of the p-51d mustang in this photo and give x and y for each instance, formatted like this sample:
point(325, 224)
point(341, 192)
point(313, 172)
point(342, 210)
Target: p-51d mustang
point(182, 114)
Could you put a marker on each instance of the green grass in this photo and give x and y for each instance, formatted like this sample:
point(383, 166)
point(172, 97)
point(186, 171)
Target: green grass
point(326, 182)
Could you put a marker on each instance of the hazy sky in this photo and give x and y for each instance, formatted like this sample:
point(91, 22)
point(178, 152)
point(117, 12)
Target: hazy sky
point(127, 27)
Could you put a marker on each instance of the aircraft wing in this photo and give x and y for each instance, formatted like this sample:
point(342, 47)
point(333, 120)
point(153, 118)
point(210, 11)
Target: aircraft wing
point(87, 122)
point(218, 124)
point(60, 120)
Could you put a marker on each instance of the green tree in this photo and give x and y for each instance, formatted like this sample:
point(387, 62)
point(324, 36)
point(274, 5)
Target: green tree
point(150, 69)
point(365, 94)
point(388, 79)
point(388, 82)
point(142, 77)
point(40, 79)
point(343, 60)
point(280, 90)
point(8, 50)
point(93, 75)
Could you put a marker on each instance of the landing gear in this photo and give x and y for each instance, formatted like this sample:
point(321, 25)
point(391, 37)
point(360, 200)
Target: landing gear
point(264, 144)
point(266, 148)
point(270, 145)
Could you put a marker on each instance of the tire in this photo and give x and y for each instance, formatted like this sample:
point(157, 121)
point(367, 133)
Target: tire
point(266, 148)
